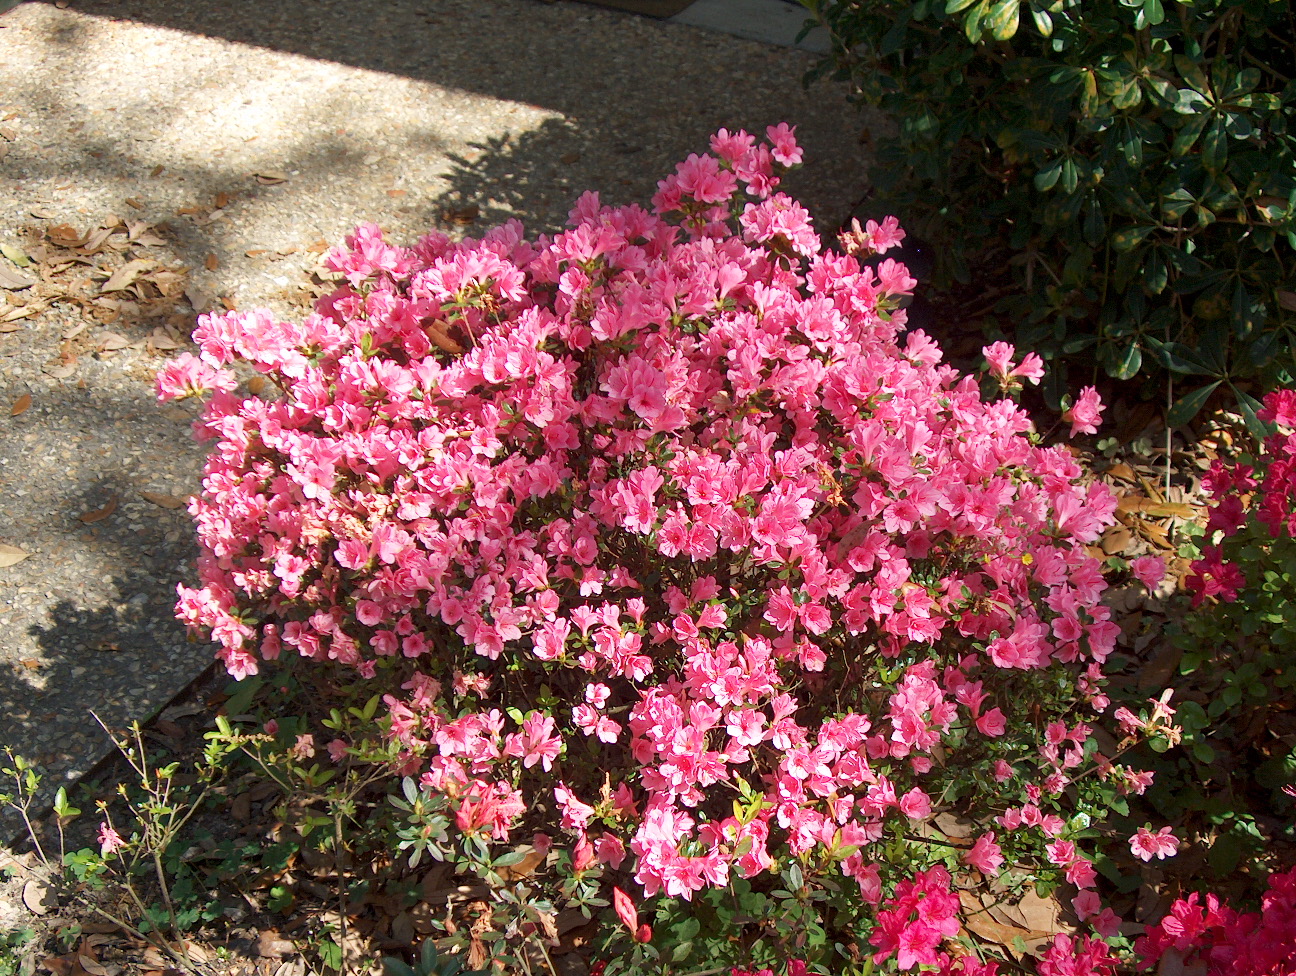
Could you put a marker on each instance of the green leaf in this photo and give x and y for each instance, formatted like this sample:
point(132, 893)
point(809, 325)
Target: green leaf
point(1241, 83)
point(330, 954)
point(1245, 314)
point(1094, 224)
point(1176, 204)
point(1047, 178)
point(1043, 22)
point(894, 39)
point(1003, 18)
point(1187, 134)
point(1124, 363)
point(1070, 178)
point(1215, 147)
point(244, 692)
point(1191, 72)
point(1238, 126)
point(1127, 95)
point(1155, 274)
point(1249, 406)
point(1153, 12)
point(1179, 358)
point(954, 6)
point(1187, 406)
point(1127, 238)
point(972, 21)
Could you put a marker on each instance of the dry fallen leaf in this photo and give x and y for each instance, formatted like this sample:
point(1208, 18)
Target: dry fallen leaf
point(99, 514)
point(1120, 470)
point(270, 177)
point(65, 235)
point(93, 967)
point(211, 263)
point(159, 341)
point(270, 945)
point(11, 555)
point(23, 312)
point(461, 215)
point(165, 501)
point(97, 239)
point(13, 281)
point(135, 202)
point(126, 275)
point(30, 663)
point(21, 405)
point(1115, 540)
point(221, 200)
point(39, 897)
point(396, 193)
point(67, 965)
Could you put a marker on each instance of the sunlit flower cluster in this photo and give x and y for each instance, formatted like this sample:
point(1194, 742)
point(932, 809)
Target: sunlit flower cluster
point(671, 495)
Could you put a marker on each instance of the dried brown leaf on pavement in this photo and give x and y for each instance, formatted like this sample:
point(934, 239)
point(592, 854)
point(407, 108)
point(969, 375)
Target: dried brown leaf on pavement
point(13, 281)
point(11, 555)
point(99, 514)
point(126, 274)
point(65, 235)
point(21, 405)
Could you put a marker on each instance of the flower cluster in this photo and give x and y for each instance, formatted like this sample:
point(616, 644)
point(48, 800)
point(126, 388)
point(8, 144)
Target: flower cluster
point(1216, 940)
point(921, 915)
point(1272, 498)
point(677, 490)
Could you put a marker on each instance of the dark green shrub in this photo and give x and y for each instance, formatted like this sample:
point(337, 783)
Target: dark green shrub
point(1133, 161)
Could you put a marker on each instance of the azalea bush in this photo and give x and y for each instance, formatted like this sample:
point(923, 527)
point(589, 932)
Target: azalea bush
point(1238, 667)
point(672, 553)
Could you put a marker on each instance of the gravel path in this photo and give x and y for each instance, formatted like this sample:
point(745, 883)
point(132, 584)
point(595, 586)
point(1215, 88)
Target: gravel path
point(212, 149)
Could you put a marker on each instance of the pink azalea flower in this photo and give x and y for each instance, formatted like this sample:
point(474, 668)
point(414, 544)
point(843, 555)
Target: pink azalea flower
point(1149, 570)
point(109, 840)
point(985, 855)
point(1084, 413)
point(1086, 903)
point(1146, 845)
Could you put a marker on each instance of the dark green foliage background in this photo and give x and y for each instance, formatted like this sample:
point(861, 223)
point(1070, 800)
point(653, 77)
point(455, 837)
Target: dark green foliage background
point(1132, 161)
